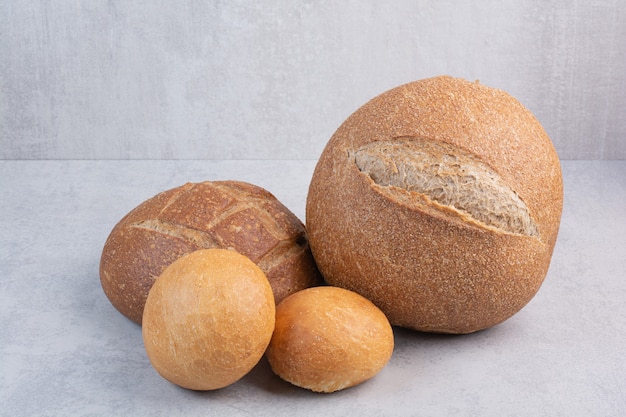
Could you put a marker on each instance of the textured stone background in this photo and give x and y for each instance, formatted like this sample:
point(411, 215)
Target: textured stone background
point(274, 79)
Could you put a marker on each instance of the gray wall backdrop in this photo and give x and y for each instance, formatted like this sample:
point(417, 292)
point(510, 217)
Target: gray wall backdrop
point(165, 79)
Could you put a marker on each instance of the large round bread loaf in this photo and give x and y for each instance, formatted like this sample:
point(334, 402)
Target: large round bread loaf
point(212, 214)
point(440, 201)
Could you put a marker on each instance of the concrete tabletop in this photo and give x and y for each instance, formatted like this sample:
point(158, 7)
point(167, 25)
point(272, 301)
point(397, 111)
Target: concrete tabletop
point(65, 351)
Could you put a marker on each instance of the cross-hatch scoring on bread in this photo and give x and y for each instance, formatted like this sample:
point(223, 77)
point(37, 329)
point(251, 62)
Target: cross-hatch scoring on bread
point(211, 214)
point(195, 236)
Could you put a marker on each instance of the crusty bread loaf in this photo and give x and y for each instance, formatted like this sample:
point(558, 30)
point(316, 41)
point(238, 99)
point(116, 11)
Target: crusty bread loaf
point(218, 214)
point(328, 338)
point(208, 319)
point(439, 200)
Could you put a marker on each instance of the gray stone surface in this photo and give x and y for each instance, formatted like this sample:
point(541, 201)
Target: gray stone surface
point(65, 351)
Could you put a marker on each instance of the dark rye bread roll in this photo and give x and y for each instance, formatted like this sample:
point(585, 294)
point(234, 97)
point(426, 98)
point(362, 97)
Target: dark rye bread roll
point(219, 214)
point(440, 201)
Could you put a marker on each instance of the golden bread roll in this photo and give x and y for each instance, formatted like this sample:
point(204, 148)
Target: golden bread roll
point(208, 319)
point(218, 214)
point(439, 200)
point(328, 338)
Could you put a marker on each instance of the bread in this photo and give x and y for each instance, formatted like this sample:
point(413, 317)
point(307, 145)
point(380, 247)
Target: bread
point(439, 200)
point(208, 319)
point(219, 214)
point(328, 338)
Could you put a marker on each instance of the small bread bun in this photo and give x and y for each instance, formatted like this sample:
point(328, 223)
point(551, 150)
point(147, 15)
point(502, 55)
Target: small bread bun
point(328, 338)
point(208, 319)
point(219, 214)
point(440, 201)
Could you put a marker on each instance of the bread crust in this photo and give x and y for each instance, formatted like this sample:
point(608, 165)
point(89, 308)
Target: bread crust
point(328, 338)
point(424, 265)
point(208, 319)
point(212, 214)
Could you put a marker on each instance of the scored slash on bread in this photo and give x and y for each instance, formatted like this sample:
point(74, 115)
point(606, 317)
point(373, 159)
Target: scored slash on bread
point(447, 177)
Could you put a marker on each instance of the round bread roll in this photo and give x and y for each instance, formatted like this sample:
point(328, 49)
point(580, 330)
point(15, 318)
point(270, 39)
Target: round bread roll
point(439, 200)
point(220, 214)
point(208, 319)
point(328, 338)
